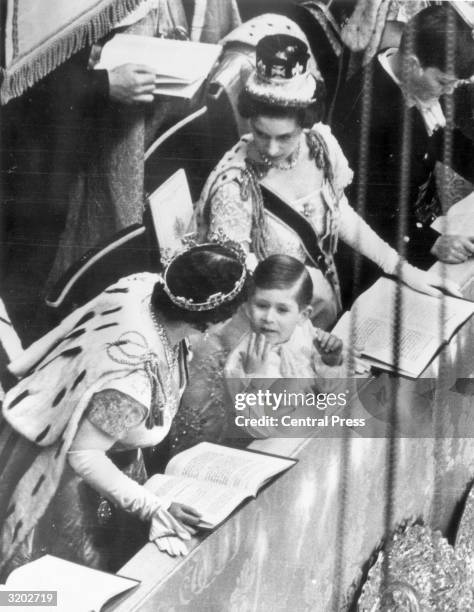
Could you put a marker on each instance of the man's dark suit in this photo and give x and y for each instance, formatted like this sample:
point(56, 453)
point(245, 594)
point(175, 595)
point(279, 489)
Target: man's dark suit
point(385, 161)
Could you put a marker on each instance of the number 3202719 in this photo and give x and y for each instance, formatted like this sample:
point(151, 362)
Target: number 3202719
point(28, 598)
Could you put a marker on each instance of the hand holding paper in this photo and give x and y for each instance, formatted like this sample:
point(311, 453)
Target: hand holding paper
point(453, 248)
point(131, 83)
point(178, 68)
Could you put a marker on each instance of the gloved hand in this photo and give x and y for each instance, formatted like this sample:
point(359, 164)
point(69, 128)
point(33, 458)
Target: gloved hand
point(100, 473)
point(427, 282)
point(172, 545)
point(168, 533)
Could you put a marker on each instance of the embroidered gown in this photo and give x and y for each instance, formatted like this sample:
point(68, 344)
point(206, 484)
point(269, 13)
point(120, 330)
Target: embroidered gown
point(106, 363)
point(230, 204)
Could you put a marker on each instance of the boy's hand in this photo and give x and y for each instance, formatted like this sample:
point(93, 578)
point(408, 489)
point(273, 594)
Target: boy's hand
point(329, 347)
point(255, 360)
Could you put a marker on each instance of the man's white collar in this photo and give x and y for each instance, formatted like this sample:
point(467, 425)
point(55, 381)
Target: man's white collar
point(431, 112)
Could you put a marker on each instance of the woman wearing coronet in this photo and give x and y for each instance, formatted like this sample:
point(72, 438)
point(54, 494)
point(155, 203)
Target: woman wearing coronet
point(281, 188)
point(108, 380)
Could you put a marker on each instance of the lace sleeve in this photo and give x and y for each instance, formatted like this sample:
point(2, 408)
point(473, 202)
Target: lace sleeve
point(114, 412)
point(231, 214)
point(355, 232)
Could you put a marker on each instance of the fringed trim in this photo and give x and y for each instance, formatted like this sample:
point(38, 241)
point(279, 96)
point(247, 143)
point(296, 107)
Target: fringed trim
point(259, 223)
point(318, 150)
point(18, 78)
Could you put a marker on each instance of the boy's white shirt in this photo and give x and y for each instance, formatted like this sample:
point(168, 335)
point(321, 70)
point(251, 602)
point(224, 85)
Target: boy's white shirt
point(295, 358)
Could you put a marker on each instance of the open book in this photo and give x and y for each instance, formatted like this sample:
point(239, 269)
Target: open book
point(421, 335)
point(180, 66)
point(215, 479)
point(79, 588)
point(459, 219)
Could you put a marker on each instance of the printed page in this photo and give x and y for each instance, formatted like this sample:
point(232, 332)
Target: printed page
point(420, 313)
point(416, 348)
point(422, 330)
point(79, 587)
point(227, 466)
point(214, 501)
point(375, 335)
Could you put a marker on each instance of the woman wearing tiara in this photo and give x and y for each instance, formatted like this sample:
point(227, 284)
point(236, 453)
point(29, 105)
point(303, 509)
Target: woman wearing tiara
point(106, 381)
point(281, 188)
point(269, 341)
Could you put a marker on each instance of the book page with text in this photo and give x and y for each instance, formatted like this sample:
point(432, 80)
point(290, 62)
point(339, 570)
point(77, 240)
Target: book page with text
point(419, 312)
point(422, 331)
point(415, 347)
point(227, 466)
point(213, 501)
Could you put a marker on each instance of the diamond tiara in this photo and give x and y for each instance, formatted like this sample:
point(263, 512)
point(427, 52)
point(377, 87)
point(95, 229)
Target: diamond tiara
point(216, 299)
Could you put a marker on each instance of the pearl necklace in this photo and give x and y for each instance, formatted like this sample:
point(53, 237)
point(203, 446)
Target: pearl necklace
point(288, 164)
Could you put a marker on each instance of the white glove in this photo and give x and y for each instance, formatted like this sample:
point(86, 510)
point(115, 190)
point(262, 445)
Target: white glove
point(172, 545)
point(104, 477)
point(163, 523)
point(427, 282)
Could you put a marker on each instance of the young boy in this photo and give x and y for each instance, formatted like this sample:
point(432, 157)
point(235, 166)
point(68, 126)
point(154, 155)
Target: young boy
point(281, 341)
point(282, 353)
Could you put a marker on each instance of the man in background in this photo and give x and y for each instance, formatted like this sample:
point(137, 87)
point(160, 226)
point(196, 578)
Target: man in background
point(413, 77)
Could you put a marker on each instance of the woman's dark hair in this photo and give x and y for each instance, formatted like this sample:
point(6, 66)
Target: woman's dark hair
point(197, 274)
point(284, 272)
point(250, 108)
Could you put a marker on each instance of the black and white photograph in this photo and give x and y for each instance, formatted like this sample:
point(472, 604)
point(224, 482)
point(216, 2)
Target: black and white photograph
point(236, 305)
